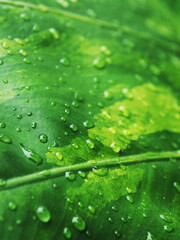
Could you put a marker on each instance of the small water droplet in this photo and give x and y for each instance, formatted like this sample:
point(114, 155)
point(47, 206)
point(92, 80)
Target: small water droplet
point(166, 218)
point(67, 233)
point(22, 52)
point(90, 143)
point(70, 176)
point(59, 156)
point(79, 223)
point(5, 81)
point(117, 233)
point(43, 138)
point(99, 62)
point(88, 124)
point(100, 171)
point(73, 127)
point(31, 155)
point(34, 125)
point(1, 62)
point(65, 61)
point(2, 182)
point(2, 124)
point(63, 119)
point(5, 45)
point(115, 147)
point(91, 209)
point(12, 206)
point(5, 139)
point(43, 214)
point(82, 174)
point(19, 116)
point(129, 198)
point(26, 60)
point(168, 228)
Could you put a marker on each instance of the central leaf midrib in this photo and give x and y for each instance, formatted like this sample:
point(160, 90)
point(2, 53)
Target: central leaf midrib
point(59, 171)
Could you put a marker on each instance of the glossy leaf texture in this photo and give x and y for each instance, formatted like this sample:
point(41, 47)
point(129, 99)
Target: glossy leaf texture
point(89, 119)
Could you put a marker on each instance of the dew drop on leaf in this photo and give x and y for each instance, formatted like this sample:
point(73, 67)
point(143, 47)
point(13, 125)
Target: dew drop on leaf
point(26, 60)
point(88, 124)
point(82, 174)
point(70, 176)
point(12, 206)
point(59, 156)
point(67, 233)
point(2, 125)
point(168, 228)
point(99, 62)
point(130, 199)
point(31, 155)
point(73, 127)
point(90, 143)
point(79, 223)
point(166, 218)
point(65, 61)
point(5, 139)
point(91, 209)
point(43, 138)
point(100, 171)
point(117, 233)
point(43, 214)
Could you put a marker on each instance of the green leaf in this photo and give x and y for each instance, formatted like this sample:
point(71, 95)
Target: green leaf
point(90, 119)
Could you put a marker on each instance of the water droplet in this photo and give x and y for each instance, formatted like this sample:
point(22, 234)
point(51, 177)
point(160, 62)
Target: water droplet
point(4, 138)
point(31, 155)
point(110, 220)
point(168, 228)
point(5, 81)
point(75, 104)
point(108, 95)
point(67, 111)
point(79, 223)
point(177, 186)
point(92, 209)
point(88, 124)
point(19, 116)
point(63, 119)
point(67, 233)
point(117, 233)
point(166, 218)
point(26, 60)
point(34, 125)
point(100, 171)
point(115, 147)
point(150, 236)
point(75, 145)
point(130, 199)
point(43, 138)
point(22, 52)
point(115, 208)
point(46, 173)
point(12, 206)
point(70, 176)
point(65, 61)
point(99, 62)
point(90, 143)
point(43, 214)
point(1, 62)
point(36, 28)
point(78, 96)
point(73, 127)
point(5, 45)
point(82, 174)
point(2, 124)
point(59, 156)
point(19, 221)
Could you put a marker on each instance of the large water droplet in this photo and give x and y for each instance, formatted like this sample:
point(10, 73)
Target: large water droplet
point(70, 176)
point(31, 155)
point(79, 223)
point(73, 127)
point(88, 124)
point(43, 214)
